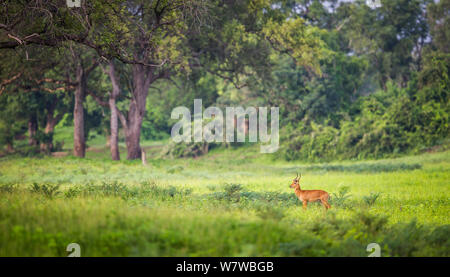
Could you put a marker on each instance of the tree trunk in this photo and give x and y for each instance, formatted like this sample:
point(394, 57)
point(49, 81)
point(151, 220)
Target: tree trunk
point(114, 138)
point(47, 144)
point(114, 121)
point(142, 78)
point(32, 129)
point(52, 120)
point(133, 134)
point(143, 157)
point(141, 84)
point(79, 144)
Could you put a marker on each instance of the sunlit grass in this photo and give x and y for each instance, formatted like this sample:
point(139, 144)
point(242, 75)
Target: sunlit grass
point(181, 207)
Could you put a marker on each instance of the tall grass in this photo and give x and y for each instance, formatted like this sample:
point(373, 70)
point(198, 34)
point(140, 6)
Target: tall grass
point(222, 207)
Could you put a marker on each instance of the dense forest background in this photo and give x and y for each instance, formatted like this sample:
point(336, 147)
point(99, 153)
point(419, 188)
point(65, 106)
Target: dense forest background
point(351, 80)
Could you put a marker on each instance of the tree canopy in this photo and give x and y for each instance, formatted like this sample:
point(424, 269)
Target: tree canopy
point(351, 80)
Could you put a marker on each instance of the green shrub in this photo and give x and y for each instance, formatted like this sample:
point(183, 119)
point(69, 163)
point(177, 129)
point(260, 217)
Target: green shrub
point(113, 188)
point(358, 168)
point(154, 190)
point(339, 199)
point(232, 192)
point(72, 192)
point(270, 197)
point(48, 190)
point(270, 212)
point(175, 169)
point(385, 123)
point(372, 198)
point(9, 188)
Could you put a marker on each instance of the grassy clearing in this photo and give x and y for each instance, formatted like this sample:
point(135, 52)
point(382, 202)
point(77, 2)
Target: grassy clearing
point(232, 202)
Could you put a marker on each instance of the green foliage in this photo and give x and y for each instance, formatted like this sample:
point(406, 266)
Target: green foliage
point(301, 41)
point(113, 188)
point(358, 168)
point(270, 197)
point(126, 209)
point(388, 122)
point(47, 190)
point(163, 192)
point(117, 189)
point(340, 198)
point(372, 198)
point(351, 83)
point(175, 169)
point(190, 149)
point(354, 83)
point(269, 212)
point(12, 122)
point(313, 142)
point(232, 192)
point(9, 188)
point(72, 192)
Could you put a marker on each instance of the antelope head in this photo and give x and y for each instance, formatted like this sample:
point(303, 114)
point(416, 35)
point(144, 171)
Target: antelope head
point(296, 181)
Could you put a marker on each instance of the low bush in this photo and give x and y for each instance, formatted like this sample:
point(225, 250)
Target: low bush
point(371, 198)
point(48, 190)
point(340, 198)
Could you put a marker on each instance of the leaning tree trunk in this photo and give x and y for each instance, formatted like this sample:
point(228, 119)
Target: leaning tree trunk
point(142, 79)
point(79, 143)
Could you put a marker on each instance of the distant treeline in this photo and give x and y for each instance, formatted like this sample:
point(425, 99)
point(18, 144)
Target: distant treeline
point(351, 81)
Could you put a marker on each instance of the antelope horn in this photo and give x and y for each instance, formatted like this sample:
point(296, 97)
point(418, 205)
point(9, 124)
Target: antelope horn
point(297, 176)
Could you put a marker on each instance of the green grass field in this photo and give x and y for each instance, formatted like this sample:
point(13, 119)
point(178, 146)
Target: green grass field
point(233, 202)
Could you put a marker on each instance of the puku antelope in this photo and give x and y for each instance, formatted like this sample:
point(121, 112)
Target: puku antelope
point(310, 195)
